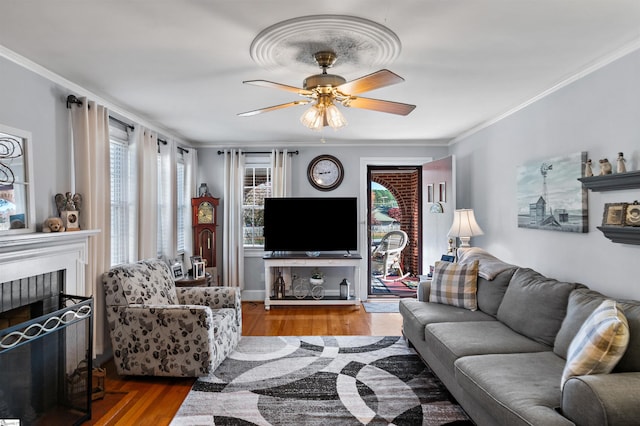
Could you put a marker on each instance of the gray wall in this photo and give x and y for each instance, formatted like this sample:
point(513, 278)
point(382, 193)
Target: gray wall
point(599, 114)
point(35, 104)
point(211, 171)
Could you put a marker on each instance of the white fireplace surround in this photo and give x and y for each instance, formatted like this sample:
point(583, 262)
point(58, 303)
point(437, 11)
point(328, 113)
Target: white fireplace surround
point(26, 255)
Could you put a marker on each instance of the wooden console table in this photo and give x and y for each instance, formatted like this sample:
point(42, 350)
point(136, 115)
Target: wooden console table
point(302, 260)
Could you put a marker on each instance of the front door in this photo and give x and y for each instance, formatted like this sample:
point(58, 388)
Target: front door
point(394, 203)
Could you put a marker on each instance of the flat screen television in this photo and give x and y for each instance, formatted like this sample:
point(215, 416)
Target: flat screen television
point(310, 224)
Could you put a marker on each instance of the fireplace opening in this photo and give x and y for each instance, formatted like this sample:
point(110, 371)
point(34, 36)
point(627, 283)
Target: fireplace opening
point(21, 314)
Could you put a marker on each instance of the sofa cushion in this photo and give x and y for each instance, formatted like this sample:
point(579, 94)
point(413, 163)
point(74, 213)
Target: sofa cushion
point(452, 340)
point(416, 315)
point(491, 292)
point(146, 282)
point(582, 303)
point(599, 344)
point(493, 277)
point(454, 284)
point(534, 305)
point(516, 389)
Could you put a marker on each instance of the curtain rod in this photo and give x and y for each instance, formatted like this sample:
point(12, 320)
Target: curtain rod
point(121, 122)
point(181, 149)
point(263, 152)
point(72, 99)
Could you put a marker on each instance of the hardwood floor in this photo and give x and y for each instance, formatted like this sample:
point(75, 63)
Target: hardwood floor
point(154, 401)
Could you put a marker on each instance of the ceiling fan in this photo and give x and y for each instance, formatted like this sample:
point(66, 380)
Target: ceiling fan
point(324, 90)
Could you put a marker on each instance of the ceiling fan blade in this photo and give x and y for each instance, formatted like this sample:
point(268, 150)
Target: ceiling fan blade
point(271, 84)
point(373, 81)
point(272, 108)
point(379, 105)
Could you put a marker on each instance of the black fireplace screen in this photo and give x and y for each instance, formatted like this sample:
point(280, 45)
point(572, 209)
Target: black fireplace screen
point(45, 366)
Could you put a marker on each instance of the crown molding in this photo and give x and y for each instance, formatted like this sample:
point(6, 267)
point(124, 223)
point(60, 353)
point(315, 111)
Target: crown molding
point(594, 66)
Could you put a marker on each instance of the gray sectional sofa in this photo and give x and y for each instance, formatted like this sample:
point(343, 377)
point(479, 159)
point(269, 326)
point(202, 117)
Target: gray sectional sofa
point(503, 362)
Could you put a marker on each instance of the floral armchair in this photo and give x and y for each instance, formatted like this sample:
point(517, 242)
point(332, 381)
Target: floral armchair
point(159, 330)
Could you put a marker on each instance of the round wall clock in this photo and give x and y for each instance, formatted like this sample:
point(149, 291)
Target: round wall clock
point(325, 172)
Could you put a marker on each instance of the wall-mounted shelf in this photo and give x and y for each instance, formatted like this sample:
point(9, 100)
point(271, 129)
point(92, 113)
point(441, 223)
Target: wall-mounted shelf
point(613, 182)
point(621, 234)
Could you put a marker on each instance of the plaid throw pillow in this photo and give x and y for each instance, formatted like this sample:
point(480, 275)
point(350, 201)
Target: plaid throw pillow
point(599, 344)
point(455, 284)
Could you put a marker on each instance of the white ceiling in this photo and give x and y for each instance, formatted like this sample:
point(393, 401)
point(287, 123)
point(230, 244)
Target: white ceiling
point(179, 65)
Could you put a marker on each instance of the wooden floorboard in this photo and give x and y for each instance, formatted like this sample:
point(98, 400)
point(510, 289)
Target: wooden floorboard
point(155, 400)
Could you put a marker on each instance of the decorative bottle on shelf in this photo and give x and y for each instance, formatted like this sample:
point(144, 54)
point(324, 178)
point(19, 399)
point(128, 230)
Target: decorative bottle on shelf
point(344, 289)
point(279, 285)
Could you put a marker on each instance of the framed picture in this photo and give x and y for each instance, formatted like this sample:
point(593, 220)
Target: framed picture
point(442, 192)
point(198, 270)
point(430, 193)
point(632, 218)
point(176, 270)
point(614, 214)
point(549, 195)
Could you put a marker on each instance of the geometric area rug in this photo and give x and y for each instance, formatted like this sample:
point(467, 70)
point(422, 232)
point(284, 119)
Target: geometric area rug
point(323, 381)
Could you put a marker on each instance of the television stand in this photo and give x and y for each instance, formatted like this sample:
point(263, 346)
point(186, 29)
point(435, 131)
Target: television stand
point(290, 260)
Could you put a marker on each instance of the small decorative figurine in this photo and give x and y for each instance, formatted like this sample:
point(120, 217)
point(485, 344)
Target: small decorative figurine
point(621, 168)
point(69, 210)
point(588, 170)
point(605, 167)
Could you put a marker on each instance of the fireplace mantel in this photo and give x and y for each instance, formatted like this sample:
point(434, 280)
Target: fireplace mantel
point(25, 255)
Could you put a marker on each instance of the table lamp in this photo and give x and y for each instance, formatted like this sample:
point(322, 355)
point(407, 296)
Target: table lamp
point(464, 226)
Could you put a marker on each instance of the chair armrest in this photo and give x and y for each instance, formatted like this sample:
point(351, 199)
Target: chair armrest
point(423, 291)
point(213, 297)
point(602, 399)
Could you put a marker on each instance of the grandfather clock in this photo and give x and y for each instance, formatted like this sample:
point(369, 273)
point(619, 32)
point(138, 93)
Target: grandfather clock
point(204, 228)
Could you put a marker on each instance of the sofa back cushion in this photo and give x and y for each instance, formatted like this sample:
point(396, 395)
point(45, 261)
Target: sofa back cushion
point(535, 305)
point(493, 277)
point(491, 292)
point(582, 302)
point(146, 282)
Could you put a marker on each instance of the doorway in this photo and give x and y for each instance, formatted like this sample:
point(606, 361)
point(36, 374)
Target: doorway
point(394, 204)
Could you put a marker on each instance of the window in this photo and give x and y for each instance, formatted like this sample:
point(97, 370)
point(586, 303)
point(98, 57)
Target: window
point(121, 208)
point(180, 204)
point(172, 208)
point(257, 187)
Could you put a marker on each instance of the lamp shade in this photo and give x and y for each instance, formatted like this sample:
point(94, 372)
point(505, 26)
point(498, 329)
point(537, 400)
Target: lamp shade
point(464, 226)
point(323, 113)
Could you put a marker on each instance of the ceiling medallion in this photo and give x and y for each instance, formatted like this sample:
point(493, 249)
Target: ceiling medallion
point(358, 43)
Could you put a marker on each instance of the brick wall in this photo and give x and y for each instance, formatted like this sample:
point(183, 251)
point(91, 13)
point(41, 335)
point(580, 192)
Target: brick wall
point(404, 185)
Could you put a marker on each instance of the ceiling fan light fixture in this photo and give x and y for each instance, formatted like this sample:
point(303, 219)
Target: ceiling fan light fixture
point(313, 118)
point(335, 119)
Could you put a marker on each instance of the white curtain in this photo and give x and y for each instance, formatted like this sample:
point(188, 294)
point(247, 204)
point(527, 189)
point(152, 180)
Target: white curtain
point(190, 171)
point(168, 213)
point(232, 238)
point(146, 153)
point(280, 173)
point(91, 154)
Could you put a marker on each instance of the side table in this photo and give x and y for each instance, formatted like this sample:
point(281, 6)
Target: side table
point(190, 281)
